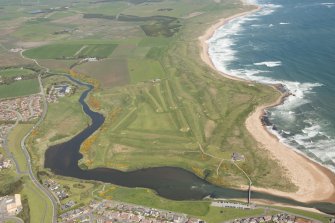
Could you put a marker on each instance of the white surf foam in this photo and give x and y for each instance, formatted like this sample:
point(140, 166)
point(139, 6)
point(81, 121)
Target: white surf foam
point(269, 63)
point(268, 9)
point(328, 4)
point(221, 50)
point(319, 151)
point(317, 143)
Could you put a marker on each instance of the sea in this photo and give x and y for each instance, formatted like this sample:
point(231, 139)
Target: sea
point(292, 43)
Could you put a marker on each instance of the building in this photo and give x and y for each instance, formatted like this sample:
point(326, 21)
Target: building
point(13, 204)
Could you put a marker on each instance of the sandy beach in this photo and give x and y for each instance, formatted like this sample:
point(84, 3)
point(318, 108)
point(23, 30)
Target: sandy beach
point(314, 182)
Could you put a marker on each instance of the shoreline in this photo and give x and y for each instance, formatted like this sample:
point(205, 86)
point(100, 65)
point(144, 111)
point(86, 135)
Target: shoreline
point(314, 181)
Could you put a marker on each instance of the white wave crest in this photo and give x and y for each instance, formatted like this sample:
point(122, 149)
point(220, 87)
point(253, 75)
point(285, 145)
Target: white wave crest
point(317, 142)
point(268, 9)
point(269, 63)
point(310, 138)
point(328, 4)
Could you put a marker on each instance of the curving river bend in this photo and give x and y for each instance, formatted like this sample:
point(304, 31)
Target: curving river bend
point(169, 182)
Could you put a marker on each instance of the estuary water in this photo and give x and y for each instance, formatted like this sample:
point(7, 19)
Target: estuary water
point(293, 43)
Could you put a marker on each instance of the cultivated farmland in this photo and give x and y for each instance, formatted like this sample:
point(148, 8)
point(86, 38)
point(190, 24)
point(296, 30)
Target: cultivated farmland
point(71, 51)
point(19, 88)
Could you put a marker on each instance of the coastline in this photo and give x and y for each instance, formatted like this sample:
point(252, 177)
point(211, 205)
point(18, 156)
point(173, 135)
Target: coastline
point(314, 181)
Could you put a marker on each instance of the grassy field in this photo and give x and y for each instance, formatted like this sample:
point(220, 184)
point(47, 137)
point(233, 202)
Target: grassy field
point(147, 198)
point(14, 144)
point(144, 70)
point(8, 178)
point(71, 51)
point(110, 72)
point(40, 206)
point(19, 88)
point(199, 209)
point(15, 72)
point(216, 215)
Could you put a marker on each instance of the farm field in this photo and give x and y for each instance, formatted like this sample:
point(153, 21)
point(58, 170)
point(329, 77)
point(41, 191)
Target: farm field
point(12, 59)
point(19, 88)
point(14, 72)
point(71, 51)
point(110, 72)
point(144, 70)
point(61, 66)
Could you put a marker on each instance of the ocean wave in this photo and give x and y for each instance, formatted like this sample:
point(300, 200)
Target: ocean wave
point(252, 2)
point(284, 23)
point(309, 136)
point(317, 150)
point(310, 140)
point(316, 142)
point(256, 25)
point(268, 9)
point(222, 42)
point(269, 63)
point(328, 4)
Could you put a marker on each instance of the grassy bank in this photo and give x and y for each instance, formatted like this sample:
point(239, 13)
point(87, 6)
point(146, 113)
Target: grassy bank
point(40, 207)
point(14, 144)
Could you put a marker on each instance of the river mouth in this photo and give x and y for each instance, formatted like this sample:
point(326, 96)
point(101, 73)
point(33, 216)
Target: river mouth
point(169, 182)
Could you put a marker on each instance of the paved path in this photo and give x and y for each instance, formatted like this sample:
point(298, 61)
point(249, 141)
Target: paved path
point(27, 155)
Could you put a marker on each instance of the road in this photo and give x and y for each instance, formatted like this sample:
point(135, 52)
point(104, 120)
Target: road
point(29, 163)
point(5, 144)
point(26, 153)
